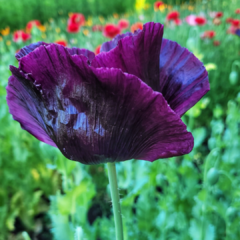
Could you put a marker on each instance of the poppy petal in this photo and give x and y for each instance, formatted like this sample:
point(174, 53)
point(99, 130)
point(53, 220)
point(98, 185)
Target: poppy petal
point(183, 78)
point(109, 45)
point(27, 49)
point(137, 54)
point(78, 51)
point(93, 115)
point(25, 106)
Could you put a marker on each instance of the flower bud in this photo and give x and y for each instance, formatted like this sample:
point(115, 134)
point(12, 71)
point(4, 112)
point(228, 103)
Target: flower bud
point(231, 213)
point(233, 77)
point(212, 176)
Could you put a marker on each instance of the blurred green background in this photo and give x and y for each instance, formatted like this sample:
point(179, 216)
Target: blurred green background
point(197, 196)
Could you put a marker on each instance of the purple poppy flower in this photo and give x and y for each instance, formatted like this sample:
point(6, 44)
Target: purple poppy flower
point(124, 103)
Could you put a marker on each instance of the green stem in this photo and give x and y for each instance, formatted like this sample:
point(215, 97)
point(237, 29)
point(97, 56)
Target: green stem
point(112, 175)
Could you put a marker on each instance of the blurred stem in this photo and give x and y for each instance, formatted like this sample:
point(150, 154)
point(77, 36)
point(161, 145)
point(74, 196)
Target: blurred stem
point(112, 175)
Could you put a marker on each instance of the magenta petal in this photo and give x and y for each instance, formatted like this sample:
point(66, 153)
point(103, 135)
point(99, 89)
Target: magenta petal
point(183, 78)
point(93, 115)
point(137, 54)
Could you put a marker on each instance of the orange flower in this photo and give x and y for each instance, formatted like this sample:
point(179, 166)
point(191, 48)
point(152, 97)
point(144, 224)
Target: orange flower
point(5, 31)
point(97, 50)
point(216, 21)
point(61, 42)
point(136, 26)
point(158, 4)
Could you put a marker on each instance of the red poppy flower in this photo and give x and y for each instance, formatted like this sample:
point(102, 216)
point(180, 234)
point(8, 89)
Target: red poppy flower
point(77, 18)
point(200, 21)
point(237, 11)
point(173, 15)
point(96, 28)
point(75, 21)
point(97, 50)
point(20, 35)
point(177, 21)
point(157, 4)
point(235, 23)
point(73, 27)
point(111, 30)
point(136, 26)
point(209, 34)
point(31, 24)
point(229, 20)
point(61, 42)
point(216, 43)
point(123, 24)
point(219, 14)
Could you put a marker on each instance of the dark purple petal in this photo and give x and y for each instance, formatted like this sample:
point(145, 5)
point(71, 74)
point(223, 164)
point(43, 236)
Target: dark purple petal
point(81, 51)
point(25, 105)
point(73, 51)
point(137, 54)
point(93, 115)
point(107, 46)
point(26, 50)
point(183, 78)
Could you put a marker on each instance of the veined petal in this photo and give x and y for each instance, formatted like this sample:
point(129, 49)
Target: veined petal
point(183, 78)
point(109, 45)
point(27, 49)
point(73, 51)
point(137, 54)
point(25, 106)
point(93, 115)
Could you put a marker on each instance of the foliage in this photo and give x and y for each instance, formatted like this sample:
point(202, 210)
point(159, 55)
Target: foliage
point(45, 196)
point(46, 9)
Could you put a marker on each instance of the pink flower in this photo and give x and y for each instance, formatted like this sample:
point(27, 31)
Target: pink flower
point(191, 20)
point(123, 24)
